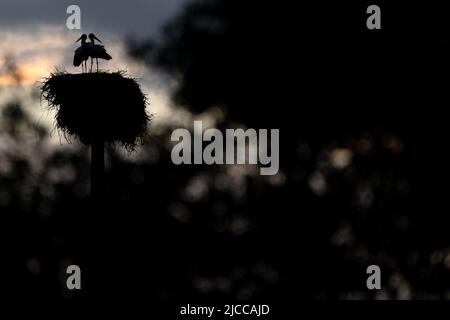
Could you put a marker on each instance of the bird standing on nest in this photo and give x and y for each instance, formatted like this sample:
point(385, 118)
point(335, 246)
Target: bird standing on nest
point(96, 51)
point(81, 54)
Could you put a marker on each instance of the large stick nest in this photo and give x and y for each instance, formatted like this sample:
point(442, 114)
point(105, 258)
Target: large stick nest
point(98, 106)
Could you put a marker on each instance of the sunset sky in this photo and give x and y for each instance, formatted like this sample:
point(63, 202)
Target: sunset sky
point(35, 41)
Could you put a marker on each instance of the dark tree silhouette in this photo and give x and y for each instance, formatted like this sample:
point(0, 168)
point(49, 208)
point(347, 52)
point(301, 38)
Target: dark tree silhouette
point(362, 152)
point(336, 91)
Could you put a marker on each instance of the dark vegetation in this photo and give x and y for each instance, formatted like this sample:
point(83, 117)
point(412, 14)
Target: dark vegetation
point(364, 168)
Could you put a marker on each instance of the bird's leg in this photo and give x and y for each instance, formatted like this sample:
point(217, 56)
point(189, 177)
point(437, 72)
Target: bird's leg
point(97, 63)
point(92, 62)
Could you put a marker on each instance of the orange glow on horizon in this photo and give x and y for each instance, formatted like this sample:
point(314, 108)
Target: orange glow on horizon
point(29, 73)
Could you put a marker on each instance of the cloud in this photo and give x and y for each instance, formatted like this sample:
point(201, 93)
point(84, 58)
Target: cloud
point(140, 18)
point(34, 34)
point(38, 52)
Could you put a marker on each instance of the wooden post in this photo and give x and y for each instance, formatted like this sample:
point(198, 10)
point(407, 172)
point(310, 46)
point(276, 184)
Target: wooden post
point(95, 221)
point(97, 170)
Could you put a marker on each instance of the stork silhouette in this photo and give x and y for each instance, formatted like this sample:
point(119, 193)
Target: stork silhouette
point(81, 54)
point(96, 51)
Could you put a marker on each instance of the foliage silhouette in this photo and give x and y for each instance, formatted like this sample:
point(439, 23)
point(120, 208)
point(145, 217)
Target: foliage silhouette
point(265, 67)
point(216, 233)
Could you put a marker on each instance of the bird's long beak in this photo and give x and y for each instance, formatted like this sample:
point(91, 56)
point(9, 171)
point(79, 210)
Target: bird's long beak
point(79, 39)
point(97, 39)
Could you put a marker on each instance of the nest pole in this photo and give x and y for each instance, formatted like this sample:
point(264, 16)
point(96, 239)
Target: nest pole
point(97, 169)
point(114, 112)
